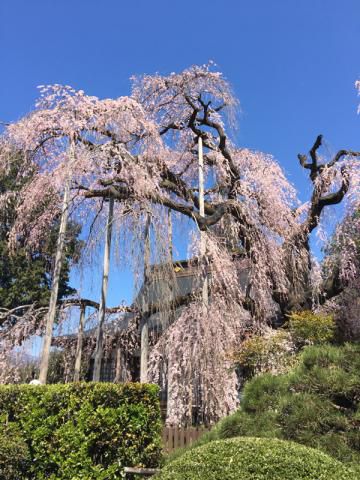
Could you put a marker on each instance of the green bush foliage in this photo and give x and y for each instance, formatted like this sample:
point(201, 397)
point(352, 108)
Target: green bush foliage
point(260, 353)
point(308, 328)
point(318, 404)
point(14, 453)
point(276, 352)
point(254, 459)
point(85, 430)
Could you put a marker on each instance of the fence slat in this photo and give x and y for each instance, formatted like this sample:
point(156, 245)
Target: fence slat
point(164, 438)
point(174, 437)
point(182, 438)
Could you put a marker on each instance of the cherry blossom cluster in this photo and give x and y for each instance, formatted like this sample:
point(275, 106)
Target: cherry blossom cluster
point(142, 150)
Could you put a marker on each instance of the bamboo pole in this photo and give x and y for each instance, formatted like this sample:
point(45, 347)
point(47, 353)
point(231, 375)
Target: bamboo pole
point(104, 289)
point(118, 365)
point(205, 286)
point(144, 351)
point(170, 235)
point(45, 354)
point(144, 326)
point(80, 336)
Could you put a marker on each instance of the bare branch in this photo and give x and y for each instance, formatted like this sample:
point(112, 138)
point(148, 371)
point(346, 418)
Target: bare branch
point(342, 153)
point(313, 166)
point(317, 169)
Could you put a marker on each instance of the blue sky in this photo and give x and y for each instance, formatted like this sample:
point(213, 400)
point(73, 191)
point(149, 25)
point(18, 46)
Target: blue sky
point(292, 64)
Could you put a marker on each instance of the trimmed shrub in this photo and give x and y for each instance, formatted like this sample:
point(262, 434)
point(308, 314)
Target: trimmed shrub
point(317, 405)
point(254, 459)
point(85, 430)
point(14, 453)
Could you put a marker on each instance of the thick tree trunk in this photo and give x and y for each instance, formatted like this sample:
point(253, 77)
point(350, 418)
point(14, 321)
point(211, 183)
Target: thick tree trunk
point(44, 364)
point(104, 288)
point(78, 353)
point(297, 263)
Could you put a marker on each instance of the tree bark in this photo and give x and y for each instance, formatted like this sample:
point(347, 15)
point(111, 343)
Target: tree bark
point(104, 288)
point(297, 264)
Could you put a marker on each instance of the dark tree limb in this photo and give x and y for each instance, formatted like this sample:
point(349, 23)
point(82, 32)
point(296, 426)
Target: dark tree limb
point(314, 167)
point(84, 302)
point(318, 202)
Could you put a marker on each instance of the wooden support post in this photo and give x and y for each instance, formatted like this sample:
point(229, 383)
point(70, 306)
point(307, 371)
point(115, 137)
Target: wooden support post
point(144, 350)
point(45, 354)
point(170, 235)
point(205, 286)
point(104, 288)
point(80, 335)
point(144, 325)
point(118, 365)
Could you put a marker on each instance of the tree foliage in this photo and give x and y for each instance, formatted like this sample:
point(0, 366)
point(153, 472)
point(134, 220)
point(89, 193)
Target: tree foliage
point(308, 328)
point(142, 151)
point(25, 275)
point(277, 351)
point(273, 351)
point(341, 270)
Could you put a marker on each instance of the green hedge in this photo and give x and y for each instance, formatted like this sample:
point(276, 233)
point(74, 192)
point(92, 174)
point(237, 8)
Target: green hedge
point(254, 459)
point(14, 453)
point(84, 430)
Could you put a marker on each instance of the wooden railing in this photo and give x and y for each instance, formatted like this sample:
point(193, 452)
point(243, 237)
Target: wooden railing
point(180, 437)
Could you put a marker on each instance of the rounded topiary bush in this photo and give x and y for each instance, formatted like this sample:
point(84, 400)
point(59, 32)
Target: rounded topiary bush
point(246, 458)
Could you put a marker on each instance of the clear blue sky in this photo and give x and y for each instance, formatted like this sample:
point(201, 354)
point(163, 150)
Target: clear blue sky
point(292, 63)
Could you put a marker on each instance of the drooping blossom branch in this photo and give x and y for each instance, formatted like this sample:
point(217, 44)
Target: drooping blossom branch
point(141, 150)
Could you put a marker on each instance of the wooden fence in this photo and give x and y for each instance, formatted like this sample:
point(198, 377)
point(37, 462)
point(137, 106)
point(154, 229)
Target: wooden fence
point(180, 437)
